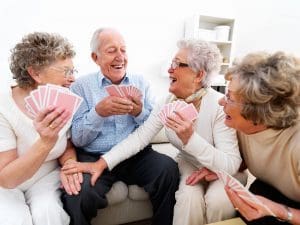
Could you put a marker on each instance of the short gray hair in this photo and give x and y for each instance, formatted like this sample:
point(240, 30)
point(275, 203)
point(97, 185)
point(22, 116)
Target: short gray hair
point(38, 50)
point(94, 44)
point(202, 55)
point(269, 87)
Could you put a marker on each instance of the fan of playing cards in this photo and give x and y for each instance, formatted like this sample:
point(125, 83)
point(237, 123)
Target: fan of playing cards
point(50, 94)
point(188, 111)
point(123, 91)
point(242, 191)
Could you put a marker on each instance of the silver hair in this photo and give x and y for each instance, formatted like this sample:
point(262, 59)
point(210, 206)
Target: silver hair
point(95, 42)
point(202, 55)
point(269, 87)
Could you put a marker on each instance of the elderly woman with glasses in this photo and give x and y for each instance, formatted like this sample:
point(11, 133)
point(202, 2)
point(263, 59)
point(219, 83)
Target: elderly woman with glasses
point(262, 104)
point(205, 143)
point(31, 146)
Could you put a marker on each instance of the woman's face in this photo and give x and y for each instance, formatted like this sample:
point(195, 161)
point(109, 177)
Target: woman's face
point(61, 73)
point(183, 80)
point(232, 107)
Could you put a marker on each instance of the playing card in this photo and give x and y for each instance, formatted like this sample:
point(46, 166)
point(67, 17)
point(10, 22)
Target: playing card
point(31, 105)
point(51, 94)
point(35, 95)
point(189, 112)
point(123, 91)
point(241, 190)
point(66, 101)
point(112, 90)
point(136, 92)
point(42, 89)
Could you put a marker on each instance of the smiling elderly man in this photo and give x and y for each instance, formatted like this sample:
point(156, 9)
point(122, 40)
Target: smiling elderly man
point(101, 122)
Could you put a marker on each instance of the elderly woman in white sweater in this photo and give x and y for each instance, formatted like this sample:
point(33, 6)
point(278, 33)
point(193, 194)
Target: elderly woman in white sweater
point(206, 143)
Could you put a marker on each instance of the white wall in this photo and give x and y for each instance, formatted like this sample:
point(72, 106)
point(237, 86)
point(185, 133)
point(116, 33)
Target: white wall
point(151, 28)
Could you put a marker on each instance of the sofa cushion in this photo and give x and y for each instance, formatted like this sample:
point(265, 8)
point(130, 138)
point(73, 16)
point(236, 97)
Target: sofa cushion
point(117, 193)
point(137, 193)
point(167, 149)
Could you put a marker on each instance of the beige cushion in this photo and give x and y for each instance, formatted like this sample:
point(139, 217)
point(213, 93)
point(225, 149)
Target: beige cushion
point(166, 148)
point(117, 193)
point(137, 193)
point(234, 221)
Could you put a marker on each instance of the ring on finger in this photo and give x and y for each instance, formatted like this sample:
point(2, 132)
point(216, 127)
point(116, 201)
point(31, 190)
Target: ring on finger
point(236, 208)
point(51, 126)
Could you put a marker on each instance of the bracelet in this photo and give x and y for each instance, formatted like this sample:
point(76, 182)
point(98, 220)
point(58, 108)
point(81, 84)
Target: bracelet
point(289, 215)
point(71, 158)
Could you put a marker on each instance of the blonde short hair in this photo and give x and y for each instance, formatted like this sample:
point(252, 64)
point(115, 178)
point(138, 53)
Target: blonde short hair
point(269, 87)
point(39, 50)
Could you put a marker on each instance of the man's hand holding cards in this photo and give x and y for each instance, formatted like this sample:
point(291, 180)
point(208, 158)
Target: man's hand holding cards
point(123, 91)
point(128, 101)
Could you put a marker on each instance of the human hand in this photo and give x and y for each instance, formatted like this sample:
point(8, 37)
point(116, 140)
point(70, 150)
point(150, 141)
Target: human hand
point(112, 105)
point(137, 105)
point(71, 182)
point(201, 174)
point(94, 168)
point(49, 122)
point(182, 126)
point(249, 209)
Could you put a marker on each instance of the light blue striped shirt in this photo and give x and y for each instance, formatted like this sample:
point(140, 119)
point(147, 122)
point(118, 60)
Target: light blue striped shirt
point(98, 134)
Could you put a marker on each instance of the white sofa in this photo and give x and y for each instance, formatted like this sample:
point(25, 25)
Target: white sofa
point(131, 203)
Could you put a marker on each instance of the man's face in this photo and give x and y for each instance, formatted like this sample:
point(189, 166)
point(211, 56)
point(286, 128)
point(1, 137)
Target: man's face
point(112, 56)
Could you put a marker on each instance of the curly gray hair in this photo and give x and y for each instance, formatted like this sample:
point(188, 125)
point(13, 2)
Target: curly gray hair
point(202, 55)
point(269, 87)
point(39, 50)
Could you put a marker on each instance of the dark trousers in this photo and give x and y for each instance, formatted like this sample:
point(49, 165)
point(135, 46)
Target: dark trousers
point(258, 187)
point(157, 173)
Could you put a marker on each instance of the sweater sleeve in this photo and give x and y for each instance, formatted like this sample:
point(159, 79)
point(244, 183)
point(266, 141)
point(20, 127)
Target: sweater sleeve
point(223, 154)
point(135, 142)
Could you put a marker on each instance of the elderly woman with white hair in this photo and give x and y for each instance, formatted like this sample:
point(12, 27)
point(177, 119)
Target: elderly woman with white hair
point(205, 143)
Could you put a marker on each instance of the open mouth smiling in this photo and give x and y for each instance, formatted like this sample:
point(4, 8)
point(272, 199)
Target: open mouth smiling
point(172, 80)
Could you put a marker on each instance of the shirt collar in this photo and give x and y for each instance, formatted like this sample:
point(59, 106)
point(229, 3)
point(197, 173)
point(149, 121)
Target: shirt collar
point(103, 81)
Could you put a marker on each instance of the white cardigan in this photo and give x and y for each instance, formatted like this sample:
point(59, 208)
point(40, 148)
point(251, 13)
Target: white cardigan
point(212, 145)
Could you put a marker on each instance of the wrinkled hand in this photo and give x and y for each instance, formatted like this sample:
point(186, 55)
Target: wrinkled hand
point(182, 126)
point(250, 210)
point(49, 122)
point(137, 106)
point(112, 105)
point(201, 174)
point(94, 168)
point(71, 182)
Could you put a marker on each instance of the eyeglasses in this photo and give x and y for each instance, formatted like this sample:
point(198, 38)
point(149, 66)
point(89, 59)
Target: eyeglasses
point(228, 100)
point(176, 64)
point(67, 71)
